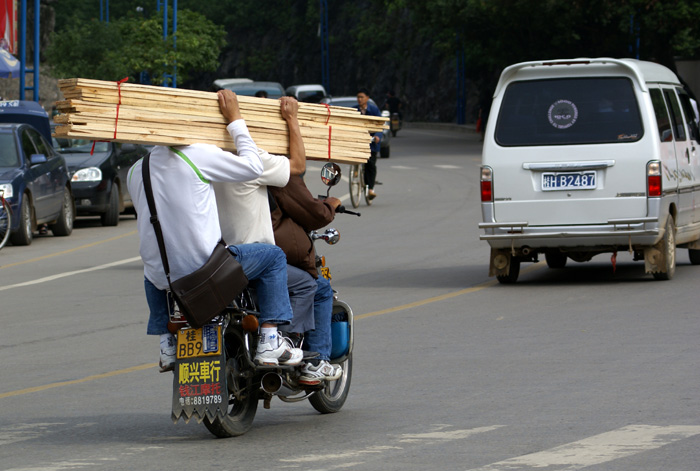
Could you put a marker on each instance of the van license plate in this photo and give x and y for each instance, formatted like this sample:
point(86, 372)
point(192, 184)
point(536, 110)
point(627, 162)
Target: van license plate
point(568, 181)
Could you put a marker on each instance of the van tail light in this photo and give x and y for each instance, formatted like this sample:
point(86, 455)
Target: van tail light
point(486, 185)
point(654, 179)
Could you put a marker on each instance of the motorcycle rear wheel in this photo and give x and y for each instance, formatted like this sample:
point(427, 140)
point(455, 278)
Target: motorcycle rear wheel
point(241, 412)
point(331, 398)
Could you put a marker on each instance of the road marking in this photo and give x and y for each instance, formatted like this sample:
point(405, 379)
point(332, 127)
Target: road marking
point(598, 449)
point(402, 167)
point(447, 167)
point(77, 381)
point(442, 435)
point(44, 257)
point(136, 368)
point(21, 432)
point(70, 273)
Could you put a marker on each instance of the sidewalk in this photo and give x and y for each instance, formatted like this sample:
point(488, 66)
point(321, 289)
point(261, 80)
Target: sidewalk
point(468, 129)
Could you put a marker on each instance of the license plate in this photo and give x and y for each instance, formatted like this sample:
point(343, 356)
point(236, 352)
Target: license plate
point(202, 342)
point(568, 181)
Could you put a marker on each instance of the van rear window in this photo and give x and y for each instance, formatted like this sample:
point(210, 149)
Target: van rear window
point(569, 111)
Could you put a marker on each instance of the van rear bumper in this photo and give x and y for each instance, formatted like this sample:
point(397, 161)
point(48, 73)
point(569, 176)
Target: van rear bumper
point(616, 232)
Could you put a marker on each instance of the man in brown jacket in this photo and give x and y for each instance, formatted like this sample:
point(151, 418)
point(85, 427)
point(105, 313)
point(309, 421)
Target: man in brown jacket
point(295, 213)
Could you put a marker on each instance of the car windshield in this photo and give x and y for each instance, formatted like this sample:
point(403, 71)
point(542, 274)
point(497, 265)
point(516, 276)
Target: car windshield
point(78, 146)
point(569, 111)
point(8, 151)
point(350, 103)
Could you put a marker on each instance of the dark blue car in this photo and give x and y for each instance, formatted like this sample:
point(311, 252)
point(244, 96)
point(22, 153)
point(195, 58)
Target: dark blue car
point(98, 175)
point(33, 176)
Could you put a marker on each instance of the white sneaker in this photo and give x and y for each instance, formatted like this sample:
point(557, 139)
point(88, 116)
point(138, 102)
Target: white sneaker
point(284, 354)
point(313, 374)
point(167, 360)
point(168, 349)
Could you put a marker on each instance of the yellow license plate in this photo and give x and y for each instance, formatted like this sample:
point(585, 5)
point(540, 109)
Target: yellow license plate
point(326, 273)
point(202, 342)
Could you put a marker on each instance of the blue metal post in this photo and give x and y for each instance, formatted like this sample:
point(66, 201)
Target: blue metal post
point(104, 10)
point(325, 58)
point(23, 71)
point(169, 77)
point(22, 48)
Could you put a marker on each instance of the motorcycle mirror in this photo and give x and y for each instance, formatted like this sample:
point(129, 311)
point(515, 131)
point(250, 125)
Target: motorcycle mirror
point(330, 174)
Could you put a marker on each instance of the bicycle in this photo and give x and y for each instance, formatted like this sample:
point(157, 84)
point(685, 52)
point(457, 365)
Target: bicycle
point(5, 220)
point(356, 178)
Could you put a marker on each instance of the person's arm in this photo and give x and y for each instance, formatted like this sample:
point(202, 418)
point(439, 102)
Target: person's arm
point(289, 108)
point(296, 201)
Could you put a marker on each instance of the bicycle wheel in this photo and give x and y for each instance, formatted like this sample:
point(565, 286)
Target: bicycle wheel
point(356, 184)
point(5, 222)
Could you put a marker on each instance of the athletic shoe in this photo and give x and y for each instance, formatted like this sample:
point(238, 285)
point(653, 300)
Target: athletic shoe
point(313, 374)
point(371, 195)
point(284, 354)
point(167, 359)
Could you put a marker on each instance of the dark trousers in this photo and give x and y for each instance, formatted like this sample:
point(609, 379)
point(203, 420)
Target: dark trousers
point(371, 171)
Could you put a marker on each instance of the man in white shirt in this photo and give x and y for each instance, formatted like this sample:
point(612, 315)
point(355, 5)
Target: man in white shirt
point(244, 213)
point(182, 179)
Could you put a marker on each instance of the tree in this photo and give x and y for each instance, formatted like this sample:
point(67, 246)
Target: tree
point(130, 45)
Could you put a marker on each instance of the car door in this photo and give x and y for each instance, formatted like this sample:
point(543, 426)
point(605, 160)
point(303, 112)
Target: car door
point(693, 149)
point(682, 147)
point(126, 156)
point(37, 176)
point(55, 170)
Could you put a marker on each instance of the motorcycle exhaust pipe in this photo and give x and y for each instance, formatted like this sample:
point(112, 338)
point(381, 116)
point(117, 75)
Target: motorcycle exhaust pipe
point(272, 383)
point(526, 250)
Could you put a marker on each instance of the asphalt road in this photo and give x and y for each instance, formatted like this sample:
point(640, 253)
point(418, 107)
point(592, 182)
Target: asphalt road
point(580, 368)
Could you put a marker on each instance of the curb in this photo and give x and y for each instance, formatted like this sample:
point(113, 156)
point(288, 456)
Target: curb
point(468, 129)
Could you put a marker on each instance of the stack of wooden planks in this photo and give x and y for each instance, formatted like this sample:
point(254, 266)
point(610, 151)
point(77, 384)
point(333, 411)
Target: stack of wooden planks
point(151, 115)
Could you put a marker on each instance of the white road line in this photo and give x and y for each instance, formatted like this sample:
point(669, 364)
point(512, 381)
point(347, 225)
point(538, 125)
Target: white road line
point(69, 273)
point(598, 449)
point(447, 167)
point(402, 167)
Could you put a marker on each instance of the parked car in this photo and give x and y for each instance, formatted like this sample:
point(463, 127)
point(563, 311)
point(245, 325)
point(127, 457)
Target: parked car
point(34, 177)
point(312, 93)
point(588, 156)
point(274, 90)
point(98, 175)
point(351, 102)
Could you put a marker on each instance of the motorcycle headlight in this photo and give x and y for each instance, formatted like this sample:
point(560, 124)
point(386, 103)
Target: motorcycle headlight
point(90, 174)
point(6, 190)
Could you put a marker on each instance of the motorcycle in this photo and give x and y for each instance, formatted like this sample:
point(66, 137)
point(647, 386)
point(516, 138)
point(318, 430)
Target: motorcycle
point(215, 378)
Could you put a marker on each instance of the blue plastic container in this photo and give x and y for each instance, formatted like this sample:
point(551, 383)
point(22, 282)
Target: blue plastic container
point(340, 334)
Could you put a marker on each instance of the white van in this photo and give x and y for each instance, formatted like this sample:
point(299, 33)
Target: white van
point(587, 156)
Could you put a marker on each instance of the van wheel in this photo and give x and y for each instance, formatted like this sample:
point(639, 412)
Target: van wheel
point(555, 259)
point(694, 255)
point(513, 272)
point(668, 246)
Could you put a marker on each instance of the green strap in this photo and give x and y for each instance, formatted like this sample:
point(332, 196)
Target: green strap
point(189, 162)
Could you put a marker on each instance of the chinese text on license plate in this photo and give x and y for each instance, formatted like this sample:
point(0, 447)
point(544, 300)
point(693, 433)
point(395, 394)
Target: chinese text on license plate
point(568, 181)
point(199, 342)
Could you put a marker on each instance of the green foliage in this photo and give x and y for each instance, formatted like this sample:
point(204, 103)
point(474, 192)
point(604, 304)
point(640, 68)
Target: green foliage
point(129, 45)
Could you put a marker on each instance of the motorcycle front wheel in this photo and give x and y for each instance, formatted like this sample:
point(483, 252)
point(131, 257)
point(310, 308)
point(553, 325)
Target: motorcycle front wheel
point(242, 394)
point(331, 398)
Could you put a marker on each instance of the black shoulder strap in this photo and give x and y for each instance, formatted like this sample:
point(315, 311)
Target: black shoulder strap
point(146, 174)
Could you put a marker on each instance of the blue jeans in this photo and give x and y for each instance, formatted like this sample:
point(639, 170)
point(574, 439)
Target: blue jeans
point(265, 266)
point(319, 340)
point(302, 293)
